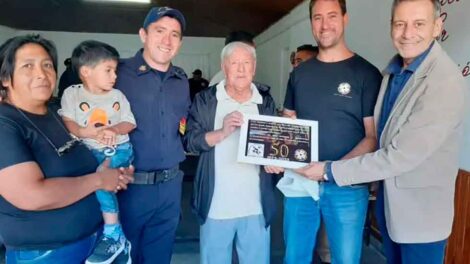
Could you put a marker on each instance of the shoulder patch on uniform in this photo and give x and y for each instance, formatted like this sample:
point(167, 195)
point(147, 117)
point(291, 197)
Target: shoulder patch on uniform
point(180, 72)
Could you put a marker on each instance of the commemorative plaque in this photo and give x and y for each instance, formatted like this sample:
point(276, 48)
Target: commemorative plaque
point(278, 141)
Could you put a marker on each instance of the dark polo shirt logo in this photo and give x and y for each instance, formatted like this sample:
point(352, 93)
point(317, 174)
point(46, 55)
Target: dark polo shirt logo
point(344, 90)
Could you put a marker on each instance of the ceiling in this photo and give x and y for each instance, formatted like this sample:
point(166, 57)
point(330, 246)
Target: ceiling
point(205, 18)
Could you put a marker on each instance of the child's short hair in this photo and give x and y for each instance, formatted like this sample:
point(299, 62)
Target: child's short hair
point(91, 52)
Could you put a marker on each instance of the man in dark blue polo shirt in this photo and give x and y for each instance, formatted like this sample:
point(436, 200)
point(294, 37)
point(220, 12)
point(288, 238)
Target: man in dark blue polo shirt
point(337, 88)
point(158, 93)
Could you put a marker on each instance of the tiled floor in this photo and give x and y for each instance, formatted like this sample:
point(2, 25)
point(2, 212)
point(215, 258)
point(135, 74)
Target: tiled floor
point(186, 250)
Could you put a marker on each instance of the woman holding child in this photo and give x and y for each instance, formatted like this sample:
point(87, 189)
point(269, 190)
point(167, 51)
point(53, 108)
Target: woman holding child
point(48, 211)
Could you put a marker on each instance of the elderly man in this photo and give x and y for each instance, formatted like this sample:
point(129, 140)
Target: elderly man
point(158, 93)
point(233, 201)
point(419, 115)
point(241, 36)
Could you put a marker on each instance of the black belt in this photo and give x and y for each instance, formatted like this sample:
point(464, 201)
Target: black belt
point(154, 177)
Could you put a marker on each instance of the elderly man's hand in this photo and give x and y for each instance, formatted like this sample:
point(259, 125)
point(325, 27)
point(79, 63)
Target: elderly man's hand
point(313, 171)
point(232, 121)
point(273, 169)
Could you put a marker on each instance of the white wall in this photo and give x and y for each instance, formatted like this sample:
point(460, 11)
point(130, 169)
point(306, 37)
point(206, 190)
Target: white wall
point(367, 34)
point(274, 45)
point(457, 44)
point(202, 53)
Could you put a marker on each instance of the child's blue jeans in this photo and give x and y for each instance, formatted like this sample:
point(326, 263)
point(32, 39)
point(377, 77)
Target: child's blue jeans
point(123, 157)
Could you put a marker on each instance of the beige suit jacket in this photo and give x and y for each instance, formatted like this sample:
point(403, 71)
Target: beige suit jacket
point(418, 157)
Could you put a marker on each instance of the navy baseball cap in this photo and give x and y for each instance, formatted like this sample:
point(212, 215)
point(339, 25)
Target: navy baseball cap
point(158, 12)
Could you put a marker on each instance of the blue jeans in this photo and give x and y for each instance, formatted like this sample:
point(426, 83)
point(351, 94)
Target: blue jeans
point(252, 240)
point(343, 210)
point(123, 157)
point(74, 253)
point(406, 253)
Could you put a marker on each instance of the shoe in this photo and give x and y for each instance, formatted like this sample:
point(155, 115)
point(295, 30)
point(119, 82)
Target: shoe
point(106, 251)
point(125, 256)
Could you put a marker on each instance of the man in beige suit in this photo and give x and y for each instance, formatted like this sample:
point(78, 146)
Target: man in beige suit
point(419, 113)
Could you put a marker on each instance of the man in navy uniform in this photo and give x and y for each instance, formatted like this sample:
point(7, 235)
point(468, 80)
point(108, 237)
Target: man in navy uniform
point(158, 93)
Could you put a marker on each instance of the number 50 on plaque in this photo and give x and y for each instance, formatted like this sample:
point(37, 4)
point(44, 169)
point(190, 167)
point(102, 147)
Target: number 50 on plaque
point(278, 141)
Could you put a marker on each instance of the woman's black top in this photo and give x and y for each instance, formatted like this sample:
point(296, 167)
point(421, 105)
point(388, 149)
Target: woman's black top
point(20, 142)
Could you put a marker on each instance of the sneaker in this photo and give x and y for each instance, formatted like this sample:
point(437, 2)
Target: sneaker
point(125, 256)
point(106, 251)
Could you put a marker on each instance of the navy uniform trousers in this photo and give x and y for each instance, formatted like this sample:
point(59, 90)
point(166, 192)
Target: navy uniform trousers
point(150, 215)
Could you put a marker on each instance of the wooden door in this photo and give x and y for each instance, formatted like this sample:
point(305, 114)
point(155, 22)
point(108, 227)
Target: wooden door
point(458, 248)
